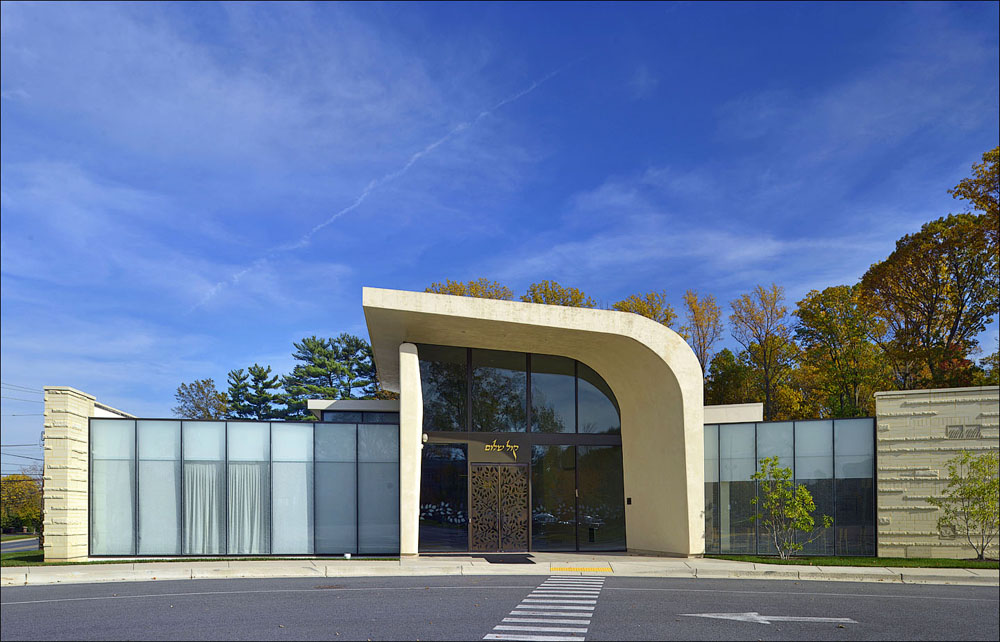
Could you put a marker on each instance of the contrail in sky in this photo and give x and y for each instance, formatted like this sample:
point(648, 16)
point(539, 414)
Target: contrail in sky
point(373, 186)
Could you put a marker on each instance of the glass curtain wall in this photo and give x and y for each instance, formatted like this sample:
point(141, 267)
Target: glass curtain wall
point(553, 498)
point(833, 459)
point(204, 487)
point(601, 511)
point(711, 489)
point(293, 503)
point(553, 394)
point(378, 488)
point(162, 487)
point(444, 498)
point(336, 489)
point(112, 487)
point(499, 391)
point(159, 488)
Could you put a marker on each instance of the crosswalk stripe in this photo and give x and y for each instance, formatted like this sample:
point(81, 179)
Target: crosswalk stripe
point(543, 629)
point(556, 601)
point(556, 606)
point(533, 638)
point(544, 620)
point(555, 613)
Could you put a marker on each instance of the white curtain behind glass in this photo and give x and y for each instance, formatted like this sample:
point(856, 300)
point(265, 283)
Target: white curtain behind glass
point(248, 508)
point(204, 485)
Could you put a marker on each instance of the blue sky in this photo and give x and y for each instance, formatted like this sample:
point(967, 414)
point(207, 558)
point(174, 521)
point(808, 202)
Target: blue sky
point(189, 188)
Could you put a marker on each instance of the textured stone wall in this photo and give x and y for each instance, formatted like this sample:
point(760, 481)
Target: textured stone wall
point(917, 432)
point(66, 525)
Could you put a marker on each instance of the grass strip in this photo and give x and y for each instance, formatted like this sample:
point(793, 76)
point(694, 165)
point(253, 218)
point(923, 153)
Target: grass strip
point(36, 558)
point(908, 562)
point(11, 538)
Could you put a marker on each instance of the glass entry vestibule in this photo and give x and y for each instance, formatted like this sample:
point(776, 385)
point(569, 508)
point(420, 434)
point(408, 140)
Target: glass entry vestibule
point(522, 452)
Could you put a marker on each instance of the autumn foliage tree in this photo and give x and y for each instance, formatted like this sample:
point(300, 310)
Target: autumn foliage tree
point(846, 367)
point(652, 305)
point(200, 400)
point(703, 327)
point(759, 323)
point(552, 293)
point(480, 289)
point(21, 502)
point(933, 296)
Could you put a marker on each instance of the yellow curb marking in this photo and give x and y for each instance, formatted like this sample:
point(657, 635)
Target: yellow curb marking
point(587, 569)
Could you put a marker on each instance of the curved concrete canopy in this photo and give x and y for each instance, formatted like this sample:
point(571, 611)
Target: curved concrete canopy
point(652, 371)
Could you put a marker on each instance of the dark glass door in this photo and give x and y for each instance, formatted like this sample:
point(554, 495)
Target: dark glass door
point(499, 508)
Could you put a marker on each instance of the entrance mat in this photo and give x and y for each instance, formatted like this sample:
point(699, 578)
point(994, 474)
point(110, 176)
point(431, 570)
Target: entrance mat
point(509, 559)
point(583, 569)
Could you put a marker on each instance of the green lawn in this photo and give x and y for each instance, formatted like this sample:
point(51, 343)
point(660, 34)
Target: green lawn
point(35, 558)
point(863, 561)
point(11, 538)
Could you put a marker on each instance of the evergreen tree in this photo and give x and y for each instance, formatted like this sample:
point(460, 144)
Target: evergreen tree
point(260, 399)
point(337, 368)
point(237, 394)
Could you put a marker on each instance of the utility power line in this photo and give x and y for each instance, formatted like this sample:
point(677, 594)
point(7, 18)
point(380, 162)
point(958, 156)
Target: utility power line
point(19, 399)
point(22, 456)
point(14, 386)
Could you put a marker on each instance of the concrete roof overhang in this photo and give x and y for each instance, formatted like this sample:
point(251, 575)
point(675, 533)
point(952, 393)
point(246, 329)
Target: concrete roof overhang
point(652, 371)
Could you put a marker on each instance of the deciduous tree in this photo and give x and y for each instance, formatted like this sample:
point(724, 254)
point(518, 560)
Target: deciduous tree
point(784, 509)
point(728, 380)
point(552, 293)
point(834, 333)
point(21, 501)
point(933, 296)
point(759, 324)
point(200, 400)
point(703, 326)
point(969, 504)
point(652, 305)
point(982, 191)
point(480, 289)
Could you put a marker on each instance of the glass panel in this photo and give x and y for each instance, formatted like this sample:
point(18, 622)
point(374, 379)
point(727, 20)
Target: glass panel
point(854, 464)
point(292, 488)
point(159, 487)
point(553, 498)
point(336, 489)
point(378, 488)
point(381, 418)
point(854, 446)
point(737, 531)
point(112, 499)
point(499, 388)
point(822, 493)
point(598, 408)
point(444, 498)
point(773, 440)
point(601, 506)
point(813, 449)
point(249, 488)
point(711, 489)
point(342, 417)
point(553, 394)
point(204, 487)
point(443, 384)
point(855, 516)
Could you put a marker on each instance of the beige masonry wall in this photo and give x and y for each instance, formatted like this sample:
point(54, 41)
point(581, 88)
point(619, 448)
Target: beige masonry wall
point(917, 432)
point(66, 522)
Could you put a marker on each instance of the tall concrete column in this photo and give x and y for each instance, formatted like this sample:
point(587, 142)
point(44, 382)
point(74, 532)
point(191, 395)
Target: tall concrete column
point(66, 524)
point(411, 421)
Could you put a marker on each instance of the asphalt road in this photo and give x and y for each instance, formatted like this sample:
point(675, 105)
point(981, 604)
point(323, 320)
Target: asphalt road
point(468, 608)
point(19, 545)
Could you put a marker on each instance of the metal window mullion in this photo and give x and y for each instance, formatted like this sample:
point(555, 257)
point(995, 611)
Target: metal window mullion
point(225, 502)
point(576, 455)
point(357, 487)
point(527, 393)
point(183, 519)
point(756, 490)
point(833, 471)
point(873, 516)
point(90, 486)
point(135, 488)
point(270, 488)
point(314, 491)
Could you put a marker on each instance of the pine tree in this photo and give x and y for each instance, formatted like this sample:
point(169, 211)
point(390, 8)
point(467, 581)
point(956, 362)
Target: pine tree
point(237, 394)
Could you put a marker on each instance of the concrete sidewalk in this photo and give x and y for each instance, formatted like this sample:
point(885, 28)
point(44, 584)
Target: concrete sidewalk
point(620, 565)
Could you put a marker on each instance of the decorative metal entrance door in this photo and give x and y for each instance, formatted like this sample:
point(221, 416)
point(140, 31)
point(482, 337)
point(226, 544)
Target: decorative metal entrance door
point(499, 508)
